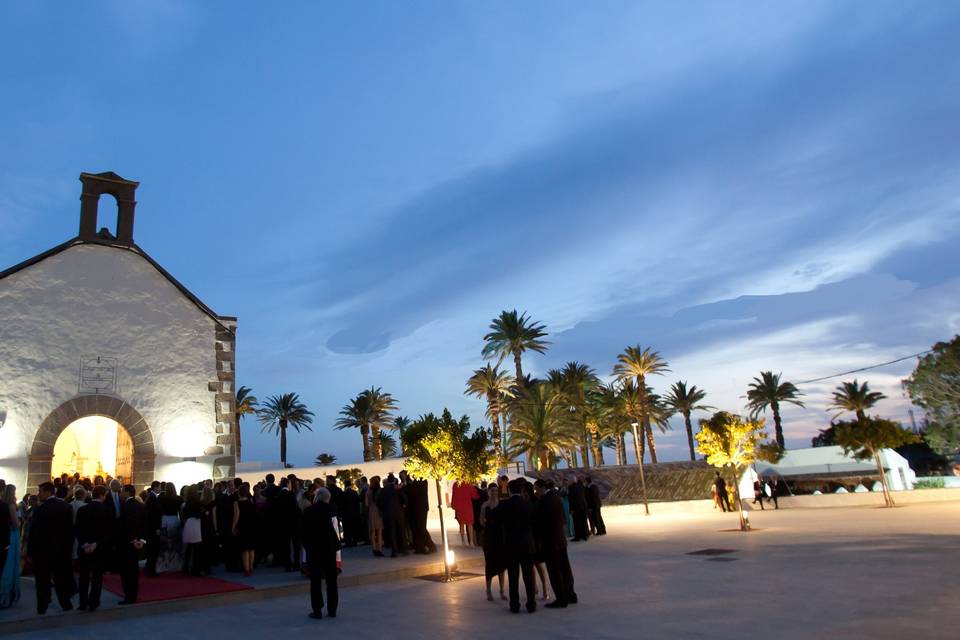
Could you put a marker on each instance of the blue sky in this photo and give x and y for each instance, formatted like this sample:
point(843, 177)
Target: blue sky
point(741, 186)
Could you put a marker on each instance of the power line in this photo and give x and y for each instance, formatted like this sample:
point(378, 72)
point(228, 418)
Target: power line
point(874, 366)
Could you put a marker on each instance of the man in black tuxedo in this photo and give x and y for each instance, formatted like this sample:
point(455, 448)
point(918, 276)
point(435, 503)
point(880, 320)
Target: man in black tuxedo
point(133, 518)
point(577, 496)
point(391, 502)
point(722, 496)
point(154, 517)
point(594, 504)
point(515, 517)
point(50, 547)
point(549, 531)
point(93, 529)
point(322, 541)
point(350, 514)
point(286, 519)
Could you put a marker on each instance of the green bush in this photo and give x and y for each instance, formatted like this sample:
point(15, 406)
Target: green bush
point(929, 483)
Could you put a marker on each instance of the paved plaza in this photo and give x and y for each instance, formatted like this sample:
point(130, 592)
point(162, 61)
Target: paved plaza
point(804, 573)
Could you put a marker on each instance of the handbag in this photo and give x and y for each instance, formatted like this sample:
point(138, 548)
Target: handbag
point(192, 531)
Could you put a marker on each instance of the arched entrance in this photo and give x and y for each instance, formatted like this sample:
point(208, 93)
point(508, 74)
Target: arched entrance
point(130, 422)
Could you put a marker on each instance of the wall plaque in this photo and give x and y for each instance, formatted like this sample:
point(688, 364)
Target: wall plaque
point(98, 374)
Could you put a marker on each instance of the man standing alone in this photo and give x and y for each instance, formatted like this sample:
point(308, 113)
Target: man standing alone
point(321, 540)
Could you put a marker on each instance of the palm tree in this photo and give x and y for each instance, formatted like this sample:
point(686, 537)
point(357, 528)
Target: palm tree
point(382, 405)
point(851, 396)
point(356, 415)
point(768, 391)
point(324, 459)
point(575, 382)
point(400, 424)
point(388, 443)
point(541, 428)
point(370, 412)
point(685, 401)
point(246, 403)
point(280, 412)
point(611, 420)
point(512, 334)
point(495, 386)
point(636, 363)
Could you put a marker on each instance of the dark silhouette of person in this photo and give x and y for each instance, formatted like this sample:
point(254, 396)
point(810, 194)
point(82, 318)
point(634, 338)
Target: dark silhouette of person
point(50, 547)
point(152, 536)
point(322, 541)
point(350, 514)
point(418, 507)
point(722, 495)
point(758, 493)
point(550, 534)
point(133, 517)
point(577, 495)
point(93, 532)
point(515, 519)
point(594, 505)
point(391, 503)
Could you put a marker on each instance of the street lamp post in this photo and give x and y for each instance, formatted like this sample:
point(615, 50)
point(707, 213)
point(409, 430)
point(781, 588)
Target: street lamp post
point(643, 480)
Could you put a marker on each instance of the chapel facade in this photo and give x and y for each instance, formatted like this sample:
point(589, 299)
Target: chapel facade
point(108, 364)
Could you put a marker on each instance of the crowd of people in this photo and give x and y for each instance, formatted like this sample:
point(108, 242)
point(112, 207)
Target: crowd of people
point(768, 489)
point(75, 530)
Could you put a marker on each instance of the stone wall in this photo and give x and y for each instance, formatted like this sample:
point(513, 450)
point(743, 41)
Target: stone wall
point(666, 481)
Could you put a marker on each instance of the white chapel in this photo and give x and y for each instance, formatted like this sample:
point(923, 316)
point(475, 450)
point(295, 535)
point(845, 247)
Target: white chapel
point(108, 364)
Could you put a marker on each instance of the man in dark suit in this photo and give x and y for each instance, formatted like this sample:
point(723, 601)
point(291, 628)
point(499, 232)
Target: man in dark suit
point(418, 507)
point(597, 527)
point(577, 496)
point(549, 531)
point(286, 519)
point(93, 530)
point(322, 541)
point(722, 496)
point(515, 517)
point(154, 517)
point(391, 502)
point(133, 518)
point(350, 514)
point(50, 547)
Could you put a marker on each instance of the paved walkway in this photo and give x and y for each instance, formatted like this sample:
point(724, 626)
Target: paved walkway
point(811, 573)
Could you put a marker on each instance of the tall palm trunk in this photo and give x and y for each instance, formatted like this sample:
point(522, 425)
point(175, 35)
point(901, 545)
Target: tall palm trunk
point(495, 421)
point(653, 445)
point(585, 454)
point(517, 355)
point(777, 425)
point(365, 434)
point(686, 422)
point(377, 446)
point(283, 443)
point(572, 453)
point(618, 441)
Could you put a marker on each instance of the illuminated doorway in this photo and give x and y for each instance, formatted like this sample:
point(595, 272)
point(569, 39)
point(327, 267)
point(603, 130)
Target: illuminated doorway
point(94, 446)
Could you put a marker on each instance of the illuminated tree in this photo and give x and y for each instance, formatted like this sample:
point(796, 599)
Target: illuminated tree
point(864, 439)
point(730, 442)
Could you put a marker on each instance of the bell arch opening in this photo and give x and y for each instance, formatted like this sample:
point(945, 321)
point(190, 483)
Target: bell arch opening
point(87, 427)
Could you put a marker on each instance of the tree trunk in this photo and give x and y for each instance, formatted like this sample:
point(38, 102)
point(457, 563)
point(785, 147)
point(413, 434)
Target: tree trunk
point(283, 443)
point(365, 434)
point(573, 458)
point(887, 496)
point(517, 364)
point(744, 525)
point(377, 446)
point(237, 438)
point(585, 456)
point(618, 441)
point(652, 442)
point(597, 451)
point(443, 534)
point(777, 424)
point(638, 445)
point(686, 420)
point(495, 421)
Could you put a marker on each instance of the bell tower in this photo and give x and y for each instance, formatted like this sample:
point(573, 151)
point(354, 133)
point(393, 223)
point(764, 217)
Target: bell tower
point(122, 190)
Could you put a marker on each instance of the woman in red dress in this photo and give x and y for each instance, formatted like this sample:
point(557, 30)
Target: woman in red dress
point(462, 503)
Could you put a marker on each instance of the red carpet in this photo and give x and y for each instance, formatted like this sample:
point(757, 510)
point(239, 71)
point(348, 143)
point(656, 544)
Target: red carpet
point(170, 586)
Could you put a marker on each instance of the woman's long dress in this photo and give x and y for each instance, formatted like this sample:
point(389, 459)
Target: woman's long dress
point(171, 548)
point(10, 578)
point(493, 544)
